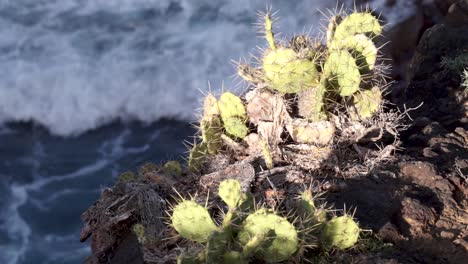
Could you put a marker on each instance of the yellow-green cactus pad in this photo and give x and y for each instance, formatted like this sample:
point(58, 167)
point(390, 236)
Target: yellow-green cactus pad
point(231, 106)
point(230, 191)
point(340, 232)
point(192, 221)
point(269, 36)
point(362, 47)
point(172, 168)
point(286, 73)
point(368, 102)
point(235, 127)
point(284, 243)
point(342, 72)
point(357, 23)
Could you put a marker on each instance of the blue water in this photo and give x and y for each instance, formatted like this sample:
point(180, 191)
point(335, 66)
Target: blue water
point(84, 86)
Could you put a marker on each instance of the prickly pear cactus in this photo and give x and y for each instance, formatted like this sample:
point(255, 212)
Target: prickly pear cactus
point(212, 129)
point(216, 246)
point(284, 70)
point(309, 210)
point(192, 221)
point(197, 157)
point(362, 48)
point(311, 102)
point(231, 106)
point(357, 23)
point(230, 191)
point(368, 102)
point(340, 232)
point(233, 115)
point(284, 243)
point(235, 127)
point(211, 125)
point(342, 72)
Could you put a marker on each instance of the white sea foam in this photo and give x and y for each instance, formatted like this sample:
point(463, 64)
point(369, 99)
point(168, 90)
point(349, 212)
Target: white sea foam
point(74, 65)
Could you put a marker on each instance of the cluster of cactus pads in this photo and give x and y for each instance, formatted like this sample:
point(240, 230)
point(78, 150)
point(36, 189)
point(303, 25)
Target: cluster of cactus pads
point(299, 88)
point(247, 233)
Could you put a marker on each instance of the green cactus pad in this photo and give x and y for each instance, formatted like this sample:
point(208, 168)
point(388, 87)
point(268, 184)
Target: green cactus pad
point(230, 191)
point(216, 246)
point(236, 127)
point(368, 102)
point(342, 72)
point(286, 73)
point(258, 242)
point(269, 36)
point(172, 168)
point(283, 245)
point(212, 129)
point(306, 202)
point(197, 157)
point(192, 221)
point(340, 232)
point(362, 48)
point(357, 23)
point(308, 208)
point(231, 106)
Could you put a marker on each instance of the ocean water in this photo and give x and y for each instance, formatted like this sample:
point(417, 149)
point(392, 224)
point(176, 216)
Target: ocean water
point(92, 88)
